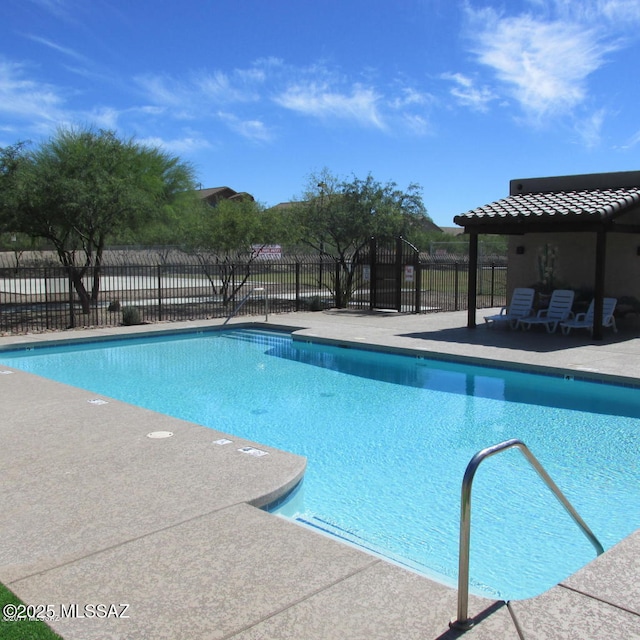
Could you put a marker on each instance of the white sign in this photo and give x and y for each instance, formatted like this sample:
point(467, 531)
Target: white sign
point(408, 273)
point(267, 251)
point(366, 273)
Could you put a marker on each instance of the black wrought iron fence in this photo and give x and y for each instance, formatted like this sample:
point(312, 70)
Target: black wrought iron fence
point(444, 285)
point(35, 299)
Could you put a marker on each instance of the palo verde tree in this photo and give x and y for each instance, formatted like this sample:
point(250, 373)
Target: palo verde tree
point(81, 185)
point(226, 239)
point(338, 218)
point(10, 158)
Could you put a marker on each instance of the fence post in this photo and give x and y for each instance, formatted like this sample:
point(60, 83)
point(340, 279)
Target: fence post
point(418, 277)
point(46, 300)
point(493, 281)
point(159, 274)
point(456, 286)
point(298, 285)
point(398, 275)
point(72, 315)
point(373, 273)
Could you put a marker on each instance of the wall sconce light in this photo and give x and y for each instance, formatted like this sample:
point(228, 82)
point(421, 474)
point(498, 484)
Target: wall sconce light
point(520, 250)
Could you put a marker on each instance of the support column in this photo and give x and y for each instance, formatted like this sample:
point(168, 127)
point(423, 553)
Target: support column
point(601, 253)
point(473, 280)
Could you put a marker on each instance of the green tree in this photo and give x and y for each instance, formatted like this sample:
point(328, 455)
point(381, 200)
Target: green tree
point(11, 160)
point(338, 218)
point(224, 237)
point(77, 188)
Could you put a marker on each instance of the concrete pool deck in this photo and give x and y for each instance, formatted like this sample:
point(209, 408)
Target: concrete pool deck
point(93, 511)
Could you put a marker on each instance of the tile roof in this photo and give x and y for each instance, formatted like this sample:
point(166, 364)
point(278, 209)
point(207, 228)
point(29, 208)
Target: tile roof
point(594, 205)
point(216, 194)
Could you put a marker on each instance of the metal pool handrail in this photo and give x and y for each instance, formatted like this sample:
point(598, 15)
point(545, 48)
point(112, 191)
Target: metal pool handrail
point(246, 297)
point(463, 621)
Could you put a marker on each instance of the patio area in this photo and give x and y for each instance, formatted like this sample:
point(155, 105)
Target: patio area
point(96, 512)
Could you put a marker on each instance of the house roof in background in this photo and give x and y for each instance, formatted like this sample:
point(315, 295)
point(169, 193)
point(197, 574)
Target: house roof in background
point(216, 194)
point(575, 203)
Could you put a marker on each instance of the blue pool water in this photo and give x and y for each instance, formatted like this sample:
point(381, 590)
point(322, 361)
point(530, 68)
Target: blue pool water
point(388, 437)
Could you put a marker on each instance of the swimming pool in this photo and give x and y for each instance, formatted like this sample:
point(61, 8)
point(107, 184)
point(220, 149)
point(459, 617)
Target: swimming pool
point(387, 439)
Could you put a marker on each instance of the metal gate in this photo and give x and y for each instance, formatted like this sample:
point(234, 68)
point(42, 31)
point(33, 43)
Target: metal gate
point(394, 276)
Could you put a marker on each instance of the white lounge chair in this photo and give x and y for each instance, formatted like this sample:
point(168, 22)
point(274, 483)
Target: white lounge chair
point(520, 307)
point(558, 311)
point(585, 320)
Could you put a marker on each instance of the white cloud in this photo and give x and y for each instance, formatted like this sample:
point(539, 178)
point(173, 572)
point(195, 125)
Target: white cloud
point(267, 84)
point(164, 90)
point(105, 118)
point(27, 100)
point(544, 64)
point(177, 146)
point(467, 94)
point(589, 129)
point(202, 90)
point(633, 141)
point(360, 103)
point(417, 124)
point(252, 129)
point(409, 97)
point(222, 88)
point(621, 14)
point(316, 90)
point(39, 108)
point(545, 59)
point(59, 48)
point(200, 96)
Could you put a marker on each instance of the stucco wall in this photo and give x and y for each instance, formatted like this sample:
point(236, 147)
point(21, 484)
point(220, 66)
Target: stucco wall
point(575, 261)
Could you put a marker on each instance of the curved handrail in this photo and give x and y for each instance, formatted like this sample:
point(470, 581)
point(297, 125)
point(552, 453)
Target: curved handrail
point(246, 297)
point(463, 621)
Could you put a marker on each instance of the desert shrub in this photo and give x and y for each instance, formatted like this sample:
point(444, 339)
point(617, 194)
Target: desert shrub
point(131, 315)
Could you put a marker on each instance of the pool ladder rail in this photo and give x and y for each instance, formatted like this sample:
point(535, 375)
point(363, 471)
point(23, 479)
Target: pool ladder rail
point(463, 622)
point(245, 298)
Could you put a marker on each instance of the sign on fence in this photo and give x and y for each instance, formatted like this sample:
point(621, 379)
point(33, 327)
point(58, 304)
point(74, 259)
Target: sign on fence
point(266, 251)
point(409, 273)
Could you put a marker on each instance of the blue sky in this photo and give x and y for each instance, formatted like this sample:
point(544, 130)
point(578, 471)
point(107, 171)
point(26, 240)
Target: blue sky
point(457, 96)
